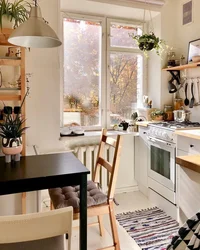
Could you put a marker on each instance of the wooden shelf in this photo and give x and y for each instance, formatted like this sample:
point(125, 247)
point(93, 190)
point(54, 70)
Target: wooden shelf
point(9, 89)
point(182, 67)
point(10, 62)
point(10, 97)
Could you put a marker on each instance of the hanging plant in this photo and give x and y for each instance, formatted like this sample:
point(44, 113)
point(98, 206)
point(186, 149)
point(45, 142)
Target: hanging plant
point(149, 42)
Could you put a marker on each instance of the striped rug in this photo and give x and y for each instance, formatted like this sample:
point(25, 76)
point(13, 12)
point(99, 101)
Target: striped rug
point(151, 228)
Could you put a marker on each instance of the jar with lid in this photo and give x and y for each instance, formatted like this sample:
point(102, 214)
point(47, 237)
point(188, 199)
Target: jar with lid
point(178, 103)
point(168, 113)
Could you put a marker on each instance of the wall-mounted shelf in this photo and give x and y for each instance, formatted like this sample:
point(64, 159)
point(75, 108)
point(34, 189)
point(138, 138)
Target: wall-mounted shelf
point(10, 62)
point(182, 67)
point(9, 89)
point(10, 97)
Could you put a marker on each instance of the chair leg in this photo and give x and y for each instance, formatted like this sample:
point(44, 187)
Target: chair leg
point(113, 226)
point(51, 205)
point(101, 227)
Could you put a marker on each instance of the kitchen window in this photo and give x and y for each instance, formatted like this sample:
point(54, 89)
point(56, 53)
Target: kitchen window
point(103, 71)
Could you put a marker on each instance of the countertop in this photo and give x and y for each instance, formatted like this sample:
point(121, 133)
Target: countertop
point(191, 162)
point(143, 124)
point(191, 133)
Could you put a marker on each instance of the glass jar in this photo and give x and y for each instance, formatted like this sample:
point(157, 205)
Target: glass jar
point(168, 113)
point(178, 103)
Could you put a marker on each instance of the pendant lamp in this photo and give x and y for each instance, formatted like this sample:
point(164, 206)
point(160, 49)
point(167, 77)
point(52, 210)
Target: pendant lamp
point(35, 32)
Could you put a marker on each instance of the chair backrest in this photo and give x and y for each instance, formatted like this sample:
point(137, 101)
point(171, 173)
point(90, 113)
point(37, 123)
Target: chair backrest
point(44, 231)
point(113, 167)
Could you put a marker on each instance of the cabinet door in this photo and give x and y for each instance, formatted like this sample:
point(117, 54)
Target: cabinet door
point(126, 180)
point(141, 163)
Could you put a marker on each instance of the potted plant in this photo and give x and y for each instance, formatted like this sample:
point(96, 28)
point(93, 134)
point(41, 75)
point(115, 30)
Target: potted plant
point(12, 14)
point(11, 131)
point(157, 115)
point(149, 42)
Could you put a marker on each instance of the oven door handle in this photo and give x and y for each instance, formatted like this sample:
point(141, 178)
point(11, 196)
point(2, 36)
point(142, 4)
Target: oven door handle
point(160, 141)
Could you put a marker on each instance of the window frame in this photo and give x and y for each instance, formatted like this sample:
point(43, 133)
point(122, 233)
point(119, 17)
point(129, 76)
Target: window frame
point(106, 50)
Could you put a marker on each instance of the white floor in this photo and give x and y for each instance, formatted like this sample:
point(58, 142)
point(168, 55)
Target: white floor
point(127, 202)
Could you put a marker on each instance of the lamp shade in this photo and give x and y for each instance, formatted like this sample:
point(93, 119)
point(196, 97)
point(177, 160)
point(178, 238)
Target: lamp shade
point(171, 87)
point(35, 32)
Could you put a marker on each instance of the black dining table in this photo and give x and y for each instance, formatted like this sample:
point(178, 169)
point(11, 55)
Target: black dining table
point(33, 173)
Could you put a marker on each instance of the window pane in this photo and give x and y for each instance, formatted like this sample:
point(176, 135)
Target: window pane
point(82, 70)
point(119, 35)
point(125, 85)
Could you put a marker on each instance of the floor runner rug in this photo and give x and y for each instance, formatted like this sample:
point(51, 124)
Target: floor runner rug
point(151, 228)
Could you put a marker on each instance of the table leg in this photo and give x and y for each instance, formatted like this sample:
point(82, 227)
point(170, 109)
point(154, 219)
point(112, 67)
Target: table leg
point(83, 213)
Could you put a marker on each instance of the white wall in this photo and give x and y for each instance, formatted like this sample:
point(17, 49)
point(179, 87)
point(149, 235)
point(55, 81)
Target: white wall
point(43, 104)
point(84, 6)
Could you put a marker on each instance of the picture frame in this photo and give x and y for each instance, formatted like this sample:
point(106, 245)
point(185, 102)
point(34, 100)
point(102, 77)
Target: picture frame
point(193, 49)
point(187, 12)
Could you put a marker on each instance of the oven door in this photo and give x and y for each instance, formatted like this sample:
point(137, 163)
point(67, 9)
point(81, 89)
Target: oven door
point(162, 162)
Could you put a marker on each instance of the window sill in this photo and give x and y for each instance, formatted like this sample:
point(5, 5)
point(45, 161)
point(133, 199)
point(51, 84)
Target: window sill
point(98, 133)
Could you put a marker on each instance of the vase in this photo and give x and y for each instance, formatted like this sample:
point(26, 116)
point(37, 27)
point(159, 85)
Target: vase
point(12, 147)
point(6, 23)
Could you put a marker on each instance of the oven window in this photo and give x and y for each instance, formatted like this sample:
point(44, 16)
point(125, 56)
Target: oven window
point(160, 161)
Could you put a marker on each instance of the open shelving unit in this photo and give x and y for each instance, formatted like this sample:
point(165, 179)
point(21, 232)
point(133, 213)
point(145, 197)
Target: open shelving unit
point(14, 94)
point(182, 67)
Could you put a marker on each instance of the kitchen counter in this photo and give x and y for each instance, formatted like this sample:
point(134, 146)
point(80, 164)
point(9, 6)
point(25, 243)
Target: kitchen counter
point(191, 162)
point(191, 133)
point(143, 124)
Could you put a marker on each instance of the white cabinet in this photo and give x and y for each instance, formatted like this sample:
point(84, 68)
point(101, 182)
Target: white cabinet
point(141, 160)
point(188, 181)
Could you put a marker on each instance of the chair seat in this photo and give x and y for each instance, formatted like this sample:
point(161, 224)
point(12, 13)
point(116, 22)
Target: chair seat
point(70, 196)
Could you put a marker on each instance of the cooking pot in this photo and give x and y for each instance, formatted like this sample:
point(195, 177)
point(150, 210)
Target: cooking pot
point(181, 115)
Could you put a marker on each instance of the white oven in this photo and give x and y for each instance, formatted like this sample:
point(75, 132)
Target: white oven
point(162, 167)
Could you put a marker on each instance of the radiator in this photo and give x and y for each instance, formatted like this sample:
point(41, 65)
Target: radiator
point(88, 154)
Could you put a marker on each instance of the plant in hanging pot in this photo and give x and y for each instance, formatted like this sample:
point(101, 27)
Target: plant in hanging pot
point(13, 14)
point(149, 42)
point(11, 130)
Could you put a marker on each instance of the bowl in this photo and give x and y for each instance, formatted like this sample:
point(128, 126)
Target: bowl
point(196, 59)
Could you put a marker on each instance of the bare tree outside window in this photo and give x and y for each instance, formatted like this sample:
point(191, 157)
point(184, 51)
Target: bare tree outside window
point(82, 73)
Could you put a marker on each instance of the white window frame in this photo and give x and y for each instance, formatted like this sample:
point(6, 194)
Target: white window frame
point(105, 58)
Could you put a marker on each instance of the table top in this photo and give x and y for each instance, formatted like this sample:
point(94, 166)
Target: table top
point(41, 166)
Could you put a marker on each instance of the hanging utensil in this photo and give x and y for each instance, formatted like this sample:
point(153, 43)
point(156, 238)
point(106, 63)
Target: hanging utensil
point(192, 92)
point(186, 102)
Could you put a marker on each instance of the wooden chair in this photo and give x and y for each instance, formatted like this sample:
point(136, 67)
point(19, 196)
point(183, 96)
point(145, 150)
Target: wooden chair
point(42, 231)
point(108, 205)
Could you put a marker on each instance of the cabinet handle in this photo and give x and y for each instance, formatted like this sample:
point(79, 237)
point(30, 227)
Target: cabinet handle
point(192, 146)
point(144, 133)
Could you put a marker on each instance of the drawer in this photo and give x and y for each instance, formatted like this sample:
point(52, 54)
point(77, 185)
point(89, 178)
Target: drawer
point(143, 133)
point(189, 145)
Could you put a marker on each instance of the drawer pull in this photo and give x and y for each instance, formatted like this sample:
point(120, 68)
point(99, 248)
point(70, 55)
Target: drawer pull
point(192, 146)
point(144, 133)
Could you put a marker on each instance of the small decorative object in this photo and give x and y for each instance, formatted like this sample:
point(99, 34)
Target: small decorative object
point(193, 50)
point(11, 131)
point(182, 60)
point(157, 115)
point(13, 52)
point(187, 12)
point(124, 124)
point(13, 12)
point(149, 42)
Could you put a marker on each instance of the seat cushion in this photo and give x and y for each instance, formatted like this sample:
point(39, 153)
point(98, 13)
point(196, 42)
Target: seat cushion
point(70, 196)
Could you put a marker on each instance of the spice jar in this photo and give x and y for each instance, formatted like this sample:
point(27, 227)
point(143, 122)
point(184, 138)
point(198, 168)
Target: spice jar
point(168, 113)
point(178, 103)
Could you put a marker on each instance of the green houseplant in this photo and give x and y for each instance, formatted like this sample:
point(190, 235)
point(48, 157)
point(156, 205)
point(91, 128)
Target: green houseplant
point(149, 42)
point(16, 12)
point(11, 131)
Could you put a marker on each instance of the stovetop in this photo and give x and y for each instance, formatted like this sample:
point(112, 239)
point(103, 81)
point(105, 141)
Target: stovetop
point(173, 125)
